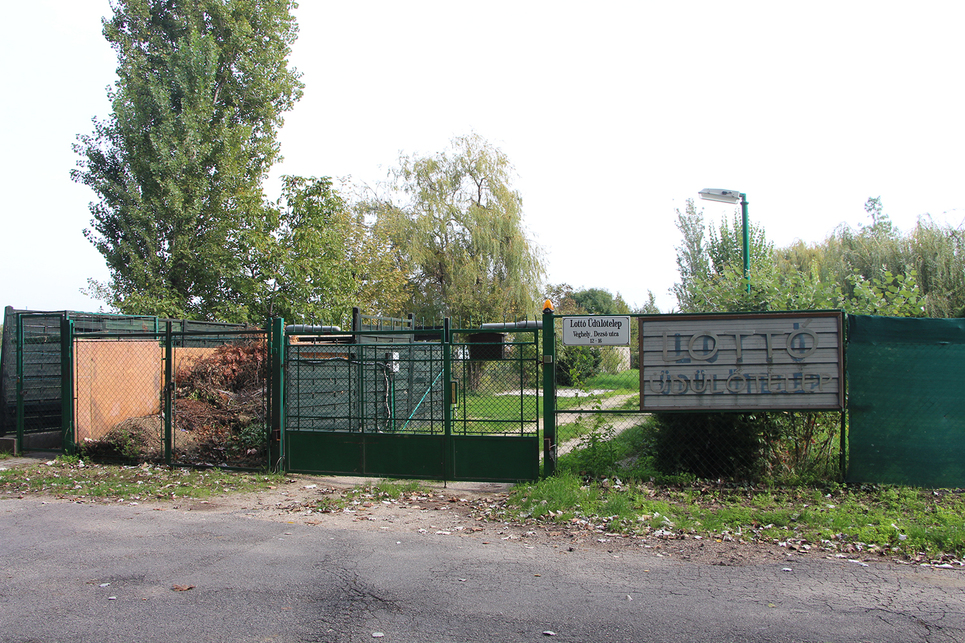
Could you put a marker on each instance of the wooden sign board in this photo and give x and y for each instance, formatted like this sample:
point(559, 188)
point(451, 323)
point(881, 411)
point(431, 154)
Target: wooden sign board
point(742, 362)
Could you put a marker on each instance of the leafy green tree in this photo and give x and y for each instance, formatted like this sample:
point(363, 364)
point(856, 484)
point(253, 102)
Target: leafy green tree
point(601, 302)
point(649, 307)
point(693, 262)
point(931, 256)
point(865, 272)
point(177, 168)
point(297, 257)
point(459, 234)
point(725, 246)
point(561, 296)
point(937, 253)
point(576, 364)
point(869, 271)
point(568, 301)
point(378, 271)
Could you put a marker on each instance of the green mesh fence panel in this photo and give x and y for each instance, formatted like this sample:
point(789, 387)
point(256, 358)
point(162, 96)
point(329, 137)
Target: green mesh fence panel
point(905, 401)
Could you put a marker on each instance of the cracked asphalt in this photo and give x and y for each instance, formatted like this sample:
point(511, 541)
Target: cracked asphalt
point(103, 572)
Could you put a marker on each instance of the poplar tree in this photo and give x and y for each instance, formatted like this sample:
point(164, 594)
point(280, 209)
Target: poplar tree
point(177, 168)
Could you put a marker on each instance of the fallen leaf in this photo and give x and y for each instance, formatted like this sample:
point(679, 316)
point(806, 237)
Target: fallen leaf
point(182, 588)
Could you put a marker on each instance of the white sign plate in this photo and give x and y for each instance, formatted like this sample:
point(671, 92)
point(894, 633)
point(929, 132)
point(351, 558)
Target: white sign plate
point(776, 361)
point(596, 331)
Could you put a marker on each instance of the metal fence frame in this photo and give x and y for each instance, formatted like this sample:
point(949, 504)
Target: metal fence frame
point(170, 343)
point(34, 364)
point(406, 402)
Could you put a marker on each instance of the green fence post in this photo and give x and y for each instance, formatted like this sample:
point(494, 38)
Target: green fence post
point(843, 463)
point(276, 347)
point(20, 405)
point(67, 442)
point(549, 390)
point(167, 393)
point(843, 457)
point(447, 400)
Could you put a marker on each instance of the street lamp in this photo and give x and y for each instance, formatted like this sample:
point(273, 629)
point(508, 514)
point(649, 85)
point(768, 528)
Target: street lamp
point(733, 196)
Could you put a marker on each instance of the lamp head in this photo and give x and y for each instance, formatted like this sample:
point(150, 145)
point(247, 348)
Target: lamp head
point(723, 196)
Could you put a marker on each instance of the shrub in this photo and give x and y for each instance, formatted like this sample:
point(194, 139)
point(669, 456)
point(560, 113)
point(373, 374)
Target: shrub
point(576, 364)
point(709, 445)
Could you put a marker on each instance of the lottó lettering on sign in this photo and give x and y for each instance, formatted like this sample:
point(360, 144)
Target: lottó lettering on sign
point(738, 383)
point(703, 346)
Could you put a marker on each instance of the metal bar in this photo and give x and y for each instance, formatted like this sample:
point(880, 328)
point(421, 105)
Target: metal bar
point(522, 381)
point(67, 441)
point(549, 391)
point(168, 392)
point(843, 457)
point(843, 378)
point(746, 242)
point(277, 345)
point(447, 401)
point(20, 405)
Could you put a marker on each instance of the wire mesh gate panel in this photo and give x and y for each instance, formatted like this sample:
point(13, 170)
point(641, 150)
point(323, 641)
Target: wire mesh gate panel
point(495, 414)
point(187, 398)
point(37, 394)
point(382, 404)
point(906, 408)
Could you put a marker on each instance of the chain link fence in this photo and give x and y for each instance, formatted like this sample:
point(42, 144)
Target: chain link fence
point(194, 399)
point(355, 383)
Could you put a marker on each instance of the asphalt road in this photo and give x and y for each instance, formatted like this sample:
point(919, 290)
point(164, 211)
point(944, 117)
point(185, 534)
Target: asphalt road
point(74, 572)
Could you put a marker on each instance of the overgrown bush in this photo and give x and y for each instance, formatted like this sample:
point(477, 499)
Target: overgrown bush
point(749, 446)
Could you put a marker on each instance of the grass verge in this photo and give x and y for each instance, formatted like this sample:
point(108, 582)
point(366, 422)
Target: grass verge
point(73, 478)
point(920, 525)
point(611, 483)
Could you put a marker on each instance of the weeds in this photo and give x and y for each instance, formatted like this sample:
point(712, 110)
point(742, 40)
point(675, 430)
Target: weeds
point(615, 483)
point(913, 524)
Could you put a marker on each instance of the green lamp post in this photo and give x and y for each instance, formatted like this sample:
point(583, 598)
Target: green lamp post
point(733, 196)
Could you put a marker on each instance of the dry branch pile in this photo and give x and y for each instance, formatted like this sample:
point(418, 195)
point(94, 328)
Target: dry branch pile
point(220, 407)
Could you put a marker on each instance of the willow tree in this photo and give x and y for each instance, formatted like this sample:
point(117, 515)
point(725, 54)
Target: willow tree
point(177, 169)
point(459, 232)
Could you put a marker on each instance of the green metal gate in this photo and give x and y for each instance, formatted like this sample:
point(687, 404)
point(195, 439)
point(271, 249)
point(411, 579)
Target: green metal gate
point(434, 404)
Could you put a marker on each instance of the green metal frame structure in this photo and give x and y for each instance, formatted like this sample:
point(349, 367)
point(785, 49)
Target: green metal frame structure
point(551, 414)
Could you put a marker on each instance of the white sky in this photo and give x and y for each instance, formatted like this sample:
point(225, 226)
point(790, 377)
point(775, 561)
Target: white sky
point(613, 113)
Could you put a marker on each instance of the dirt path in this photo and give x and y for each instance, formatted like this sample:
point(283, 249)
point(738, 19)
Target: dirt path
point(568, 417)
